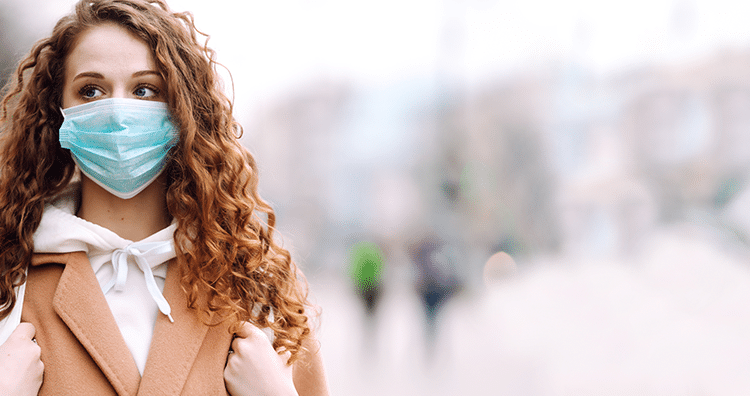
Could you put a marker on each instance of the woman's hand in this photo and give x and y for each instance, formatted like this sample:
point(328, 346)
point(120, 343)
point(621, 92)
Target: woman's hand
point(21, 368)
point(255, 369)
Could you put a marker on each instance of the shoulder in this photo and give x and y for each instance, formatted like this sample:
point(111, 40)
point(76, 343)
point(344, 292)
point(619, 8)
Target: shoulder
point(309, 373)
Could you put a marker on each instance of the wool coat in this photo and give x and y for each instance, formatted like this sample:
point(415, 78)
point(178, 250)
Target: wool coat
point(84, 353)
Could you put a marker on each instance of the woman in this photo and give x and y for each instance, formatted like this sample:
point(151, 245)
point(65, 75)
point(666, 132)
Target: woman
point(131, 227)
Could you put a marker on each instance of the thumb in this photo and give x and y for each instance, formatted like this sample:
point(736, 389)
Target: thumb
point(24, 330)
point(248, 330)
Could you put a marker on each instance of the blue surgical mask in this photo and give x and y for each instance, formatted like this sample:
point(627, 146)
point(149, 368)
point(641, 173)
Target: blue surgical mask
point(121, 144)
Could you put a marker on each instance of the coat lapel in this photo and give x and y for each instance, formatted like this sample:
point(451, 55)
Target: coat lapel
point(174, 346)
point(81, 305)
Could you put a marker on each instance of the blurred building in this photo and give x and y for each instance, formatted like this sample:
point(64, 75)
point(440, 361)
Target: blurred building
point(553, 160)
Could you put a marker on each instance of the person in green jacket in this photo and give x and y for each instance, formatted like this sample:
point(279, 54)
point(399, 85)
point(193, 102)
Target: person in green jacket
point(366, 271)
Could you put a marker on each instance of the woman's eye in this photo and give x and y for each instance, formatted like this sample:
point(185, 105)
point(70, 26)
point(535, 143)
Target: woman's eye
point(145, 92)
point(91, 92)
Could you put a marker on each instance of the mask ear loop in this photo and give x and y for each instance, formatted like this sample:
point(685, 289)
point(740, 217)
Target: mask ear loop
point(77, 172)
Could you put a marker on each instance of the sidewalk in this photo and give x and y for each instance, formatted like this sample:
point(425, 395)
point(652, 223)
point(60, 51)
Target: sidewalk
point(673, 322)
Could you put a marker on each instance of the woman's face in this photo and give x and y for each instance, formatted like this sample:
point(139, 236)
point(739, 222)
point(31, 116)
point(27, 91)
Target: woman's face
point(109, 62)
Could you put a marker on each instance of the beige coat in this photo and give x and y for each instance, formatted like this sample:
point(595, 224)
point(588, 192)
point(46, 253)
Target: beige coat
point(82, 348)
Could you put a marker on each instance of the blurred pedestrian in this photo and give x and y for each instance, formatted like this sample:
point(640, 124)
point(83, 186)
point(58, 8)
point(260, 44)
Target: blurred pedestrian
point(437, 279)
point(366, 272)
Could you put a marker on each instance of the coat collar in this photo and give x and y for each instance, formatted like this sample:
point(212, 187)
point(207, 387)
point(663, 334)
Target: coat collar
point(81, 305)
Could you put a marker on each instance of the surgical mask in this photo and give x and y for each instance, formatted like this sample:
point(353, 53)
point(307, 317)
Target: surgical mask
point(121, 144)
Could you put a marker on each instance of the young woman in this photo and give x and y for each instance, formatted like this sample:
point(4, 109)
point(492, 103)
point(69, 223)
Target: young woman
point(136, 252)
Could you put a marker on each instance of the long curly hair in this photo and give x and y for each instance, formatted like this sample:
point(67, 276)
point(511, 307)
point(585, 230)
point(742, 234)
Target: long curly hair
point(232, 268)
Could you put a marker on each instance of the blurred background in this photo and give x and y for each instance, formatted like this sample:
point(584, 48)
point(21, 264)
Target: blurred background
point(604, 146)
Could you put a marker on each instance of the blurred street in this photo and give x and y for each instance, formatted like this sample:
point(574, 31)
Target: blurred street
point(673, 321)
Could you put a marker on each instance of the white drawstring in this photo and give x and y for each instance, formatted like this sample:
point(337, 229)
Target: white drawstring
point(146, 255)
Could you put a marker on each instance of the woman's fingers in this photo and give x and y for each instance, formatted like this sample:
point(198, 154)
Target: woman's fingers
point(248, 330)
point(20, 364)
point(248, 338)
point(255, 368)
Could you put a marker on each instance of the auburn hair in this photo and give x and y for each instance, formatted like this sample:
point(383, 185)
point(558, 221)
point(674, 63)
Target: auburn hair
point(232, 268)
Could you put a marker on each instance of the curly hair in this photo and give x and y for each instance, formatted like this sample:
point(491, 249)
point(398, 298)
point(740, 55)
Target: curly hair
point(232, 268)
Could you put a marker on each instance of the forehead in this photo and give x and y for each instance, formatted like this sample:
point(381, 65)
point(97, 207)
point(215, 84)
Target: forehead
point(108, 47)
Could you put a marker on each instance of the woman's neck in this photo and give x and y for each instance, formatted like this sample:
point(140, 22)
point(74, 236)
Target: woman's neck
point(133, 219)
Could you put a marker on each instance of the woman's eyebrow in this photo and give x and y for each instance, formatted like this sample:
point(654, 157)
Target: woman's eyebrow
point(146, 72)
point(89, 74)
point(101, 76)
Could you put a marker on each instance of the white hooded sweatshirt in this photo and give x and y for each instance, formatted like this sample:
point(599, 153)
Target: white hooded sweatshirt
point(131, 274)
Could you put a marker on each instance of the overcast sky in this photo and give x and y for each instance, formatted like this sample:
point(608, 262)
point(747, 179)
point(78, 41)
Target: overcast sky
point(273, 46)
